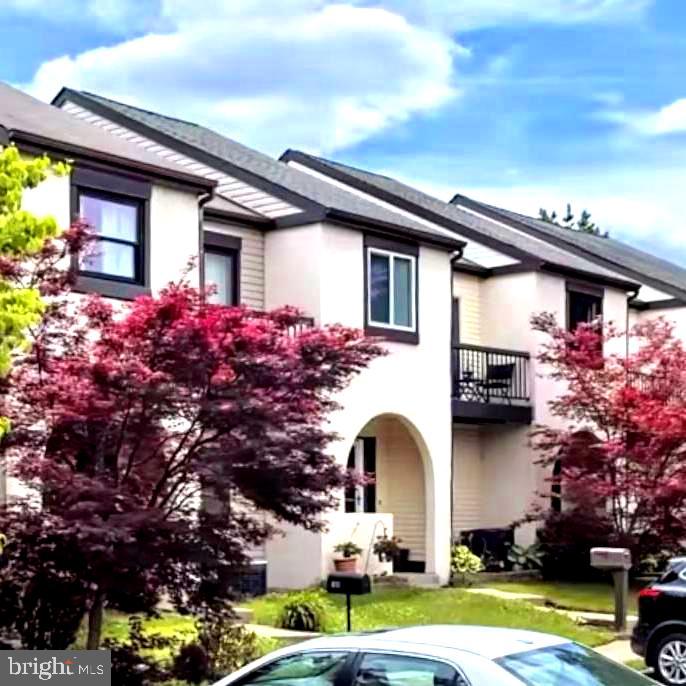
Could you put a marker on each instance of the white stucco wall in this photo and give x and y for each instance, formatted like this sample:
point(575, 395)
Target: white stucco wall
point(174, 237)
point(676, 315)
point(321, 269)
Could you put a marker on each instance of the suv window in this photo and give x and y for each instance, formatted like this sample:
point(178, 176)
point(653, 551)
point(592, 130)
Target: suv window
point(301, 669)
point(401, 670)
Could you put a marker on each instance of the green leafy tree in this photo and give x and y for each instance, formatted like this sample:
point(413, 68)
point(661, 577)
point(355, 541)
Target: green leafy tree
point(27, 256)
point(583, 224)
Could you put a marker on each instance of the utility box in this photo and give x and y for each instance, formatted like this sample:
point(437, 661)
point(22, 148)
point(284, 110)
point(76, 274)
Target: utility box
point(617, 561)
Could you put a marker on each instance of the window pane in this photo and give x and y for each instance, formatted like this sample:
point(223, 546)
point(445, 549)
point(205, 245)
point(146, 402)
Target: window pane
point(110, 218)
point(114, 259)
point(306, 669)
point(396, 670)
point(402, 291)
point(219, 272)
point(379, 284)
point(571, 665)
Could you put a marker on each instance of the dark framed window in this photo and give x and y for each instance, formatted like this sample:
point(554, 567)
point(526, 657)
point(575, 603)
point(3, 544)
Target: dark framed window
point(117, 221)
point(117, 210)
point(391, 289)
point(222, 267)
point(584, 304)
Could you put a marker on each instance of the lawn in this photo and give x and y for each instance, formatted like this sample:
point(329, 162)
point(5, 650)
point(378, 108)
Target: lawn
point(592, 597)
point(409, 606)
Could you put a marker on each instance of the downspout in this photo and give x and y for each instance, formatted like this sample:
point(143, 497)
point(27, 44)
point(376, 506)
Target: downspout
point(454, 259)
point(629, 299)
point(203, 199)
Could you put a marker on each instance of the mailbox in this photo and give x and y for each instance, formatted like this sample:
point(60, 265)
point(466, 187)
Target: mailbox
point(611, 558)
point(349, 584)
point(617, 561)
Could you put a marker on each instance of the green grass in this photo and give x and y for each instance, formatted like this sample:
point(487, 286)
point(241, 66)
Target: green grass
point(410, 606)
point(591, 597)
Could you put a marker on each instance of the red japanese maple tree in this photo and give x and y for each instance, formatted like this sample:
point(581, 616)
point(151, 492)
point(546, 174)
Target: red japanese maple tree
point(161, 439)
point(620, 447)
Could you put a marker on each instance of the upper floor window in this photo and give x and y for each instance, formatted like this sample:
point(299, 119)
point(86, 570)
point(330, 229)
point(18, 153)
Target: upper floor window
point(116, 208)
point(222, 267)
point(391, 297)
point(584, 305)
point(117, 222)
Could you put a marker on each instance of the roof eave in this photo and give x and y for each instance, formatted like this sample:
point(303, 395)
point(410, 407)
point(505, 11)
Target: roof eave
point(40, 144)
point(675, 291)
point(604, 280)
point(366, 223)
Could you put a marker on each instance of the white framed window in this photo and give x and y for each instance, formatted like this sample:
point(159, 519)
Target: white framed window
point(391, 290)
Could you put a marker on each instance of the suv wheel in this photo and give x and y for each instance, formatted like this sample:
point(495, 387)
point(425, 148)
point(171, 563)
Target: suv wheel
point(670, 660)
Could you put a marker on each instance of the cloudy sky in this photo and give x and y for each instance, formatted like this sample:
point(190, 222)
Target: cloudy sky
point(526, 103)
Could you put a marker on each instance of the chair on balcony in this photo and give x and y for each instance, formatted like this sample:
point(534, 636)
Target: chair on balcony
point(498, 381)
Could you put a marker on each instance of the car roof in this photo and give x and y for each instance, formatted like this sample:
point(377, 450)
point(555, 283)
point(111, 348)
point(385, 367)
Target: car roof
point(441, 640)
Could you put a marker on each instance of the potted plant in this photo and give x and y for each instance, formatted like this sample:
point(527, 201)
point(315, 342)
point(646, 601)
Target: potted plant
point(387, 549)
point(348, 561)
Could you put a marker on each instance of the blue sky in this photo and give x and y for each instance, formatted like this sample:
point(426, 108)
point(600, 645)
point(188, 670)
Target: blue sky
point(526, 103)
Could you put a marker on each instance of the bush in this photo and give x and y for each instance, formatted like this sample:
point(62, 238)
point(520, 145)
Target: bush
point(133, 597)
point(192, 664)
point(463, 565)
point(303, 611)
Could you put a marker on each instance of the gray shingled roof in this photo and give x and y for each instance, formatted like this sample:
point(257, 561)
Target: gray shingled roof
point(306, 187)
point(24, 116)
point(463, 223)
point(630, 261)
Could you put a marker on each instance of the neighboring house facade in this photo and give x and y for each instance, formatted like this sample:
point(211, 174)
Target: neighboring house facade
point(442, 421)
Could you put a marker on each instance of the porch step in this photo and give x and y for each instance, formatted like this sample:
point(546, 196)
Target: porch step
point(419, 580)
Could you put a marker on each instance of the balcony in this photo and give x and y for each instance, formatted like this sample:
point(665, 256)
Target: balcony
point(490, 385)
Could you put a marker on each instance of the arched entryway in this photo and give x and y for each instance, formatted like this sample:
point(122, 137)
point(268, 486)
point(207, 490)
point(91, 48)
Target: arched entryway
point(389, 450)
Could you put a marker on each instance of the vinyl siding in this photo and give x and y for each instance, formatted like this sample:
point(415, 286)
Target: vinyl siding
point(400, 485)
point(235, 189)
point(467, 481)
point(252, 260)
point(467, 288)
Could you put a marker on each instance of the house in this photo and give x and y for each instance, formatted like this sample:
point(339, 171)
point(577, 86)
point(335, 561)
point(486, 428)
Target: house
point(443, 420)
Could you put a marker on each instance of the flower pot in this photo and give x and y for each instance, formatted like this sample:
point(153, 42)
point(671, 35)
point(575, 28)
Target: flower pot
point(345, 564)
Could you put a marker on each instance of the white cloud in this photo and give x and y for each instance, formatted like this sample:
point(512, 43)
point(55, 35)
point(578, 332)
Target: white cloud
point(316, 77)
point(668, 119)
point(467, 15)
point(114, 16)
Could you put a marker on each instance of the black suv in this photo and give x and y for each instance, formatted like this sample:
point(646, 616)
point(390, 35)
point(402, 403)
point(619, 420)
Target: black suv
point(660, 635)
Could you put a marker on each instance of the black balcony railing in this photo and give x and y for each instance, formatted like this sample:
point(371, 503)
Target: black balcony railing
point(300, 325)
point(490, 376)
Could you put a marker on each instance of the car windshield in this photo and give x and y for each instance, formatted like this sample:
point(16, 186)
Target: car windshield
point(569, 665)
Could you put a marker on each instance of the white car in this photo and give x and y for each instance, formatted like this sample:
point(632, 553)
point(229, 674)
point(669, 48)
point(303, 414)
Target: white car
point(436, 656)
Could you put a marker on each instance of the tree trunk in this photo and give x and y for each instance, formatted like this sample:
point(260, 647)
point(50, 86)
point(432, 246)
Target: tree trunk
point(95, 621)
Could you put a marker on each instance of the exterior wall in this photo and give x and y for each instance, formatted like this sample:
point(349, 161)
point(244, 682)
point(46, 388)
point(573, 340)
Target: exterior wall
point(400, 484)
point(303, 557)
point(467, 288)
point(320, 268)
point(252, 260)
point(51, 197)
point(676, 315)
point(173, 235)
point(468, 484)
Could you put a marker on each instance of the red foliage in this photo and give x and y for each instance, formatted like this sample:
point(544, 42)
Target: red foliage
point(622, 440)
point(125, 420)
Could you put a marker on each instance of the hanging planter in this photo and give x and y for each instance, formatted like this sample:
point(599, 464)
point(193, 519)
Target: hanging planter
point(387, 549)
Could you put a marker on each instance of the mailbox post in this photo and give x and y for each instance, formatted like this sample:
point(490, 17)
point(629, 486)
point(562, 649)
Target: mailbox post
point(349, 585)
point(617, 561)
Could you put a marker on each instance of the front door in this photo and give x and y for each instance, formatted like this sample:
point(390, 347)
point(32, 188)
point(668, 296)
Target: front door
point(362, 462)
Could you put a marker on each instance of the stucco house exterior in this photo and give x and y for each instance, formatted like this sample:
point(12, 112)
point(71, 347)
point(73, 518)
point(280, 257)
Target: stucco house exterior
point(442, 422)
